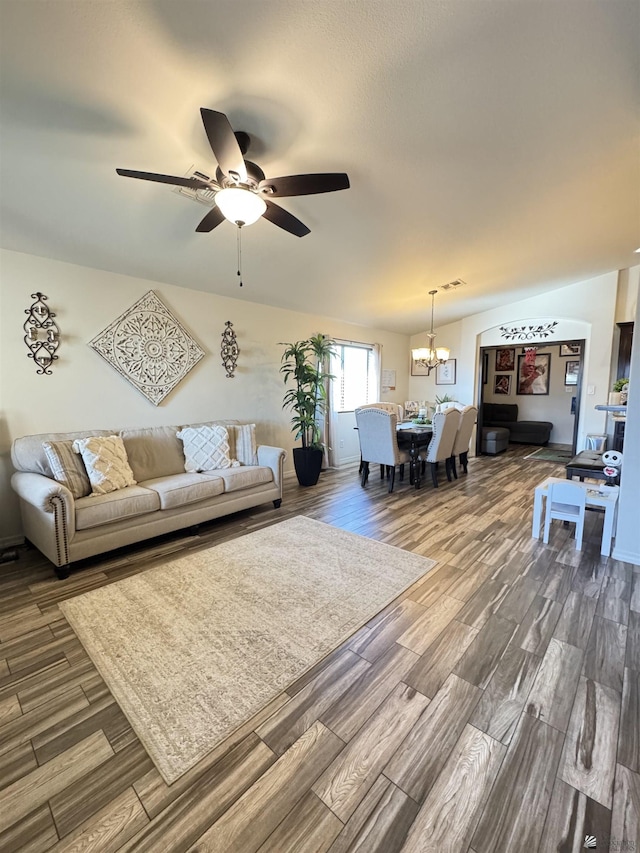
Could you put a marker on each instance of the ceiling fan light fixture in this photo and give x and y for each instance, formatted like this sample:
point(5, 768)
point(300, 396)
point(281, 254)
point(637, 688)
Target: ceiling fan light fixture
point(238, 205)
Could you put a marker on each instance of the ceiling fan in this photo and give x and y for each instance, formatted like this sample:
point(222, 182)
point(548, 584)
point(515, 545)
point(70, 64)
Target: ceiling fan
point(242, 192)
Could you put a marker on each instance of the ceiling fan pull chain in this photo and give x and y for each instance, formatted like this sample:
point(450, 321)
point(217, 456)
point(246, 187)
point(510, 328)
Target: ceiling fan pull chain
point(239, 246)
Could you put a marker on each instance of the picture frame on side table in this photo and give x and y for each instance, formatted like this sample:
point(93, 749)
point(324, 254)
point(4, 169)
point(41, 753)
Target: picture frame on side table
point(533, 375)
point(446, 373)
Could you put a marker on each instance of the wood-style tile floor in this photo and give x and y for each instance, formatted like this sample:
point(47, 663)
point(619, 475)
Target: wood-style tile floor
point(494, 707)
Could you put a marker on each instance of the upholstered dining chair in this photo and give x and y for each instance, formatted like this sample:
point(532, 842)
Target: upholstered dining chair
point(379, 442)
point(468, 415)
point(445, 429)
point(395, 408)
point(566, 501)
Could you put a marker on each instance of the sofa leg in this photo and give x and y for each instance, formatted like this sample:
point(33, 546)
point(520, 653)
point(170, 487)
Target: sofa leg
point(63, 572)
point(277, 503)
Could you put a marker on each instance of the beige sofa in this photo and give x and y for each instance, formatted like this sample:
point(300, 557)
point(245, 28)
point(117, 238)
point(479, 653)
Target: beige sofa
point(165, 497)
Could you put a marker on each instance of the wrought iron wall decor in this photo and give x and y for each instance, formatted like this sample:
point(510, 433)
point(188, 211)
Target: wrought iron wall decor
point(528, 333)
point(149, 347)
point(42, 335)
point(229, 349)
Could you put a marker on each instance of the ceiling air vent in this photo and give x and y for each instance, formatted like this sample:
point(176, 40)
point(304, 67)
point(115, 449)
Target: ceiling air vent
point(451, 285)
point(202, 196)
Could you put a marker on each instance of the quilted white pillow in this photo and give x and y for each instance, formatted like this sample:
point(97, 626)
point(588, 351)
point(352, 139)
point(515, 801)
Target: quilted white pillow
point(205, 448)
point(105, 459)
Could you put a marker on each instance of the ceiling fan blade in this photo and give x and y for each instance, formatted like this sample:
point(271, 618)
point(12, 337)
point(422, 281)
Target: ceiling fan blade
point(192, 183)
point(283, 219)
point(224, 144)
point(305, 184)
point(211, 220)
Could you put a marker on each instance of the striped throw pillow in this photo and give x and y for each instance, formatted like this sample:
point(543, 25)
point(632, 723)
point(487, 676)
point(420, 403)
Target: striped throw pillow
point(242, 443)
point(67, 467)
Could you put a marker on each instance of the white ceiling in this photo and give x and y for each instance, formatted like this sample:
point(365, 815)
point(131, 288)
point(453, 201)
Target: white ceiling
point(495, 141)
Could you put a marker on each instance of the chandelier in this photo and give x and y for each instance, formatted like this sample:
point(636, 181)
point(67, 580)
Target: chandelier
point(431, 356)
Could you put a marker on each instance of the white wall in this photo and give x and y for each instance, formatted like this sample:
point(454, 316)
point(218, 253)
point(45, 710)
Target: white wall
point(627, 545)
point(85, 392)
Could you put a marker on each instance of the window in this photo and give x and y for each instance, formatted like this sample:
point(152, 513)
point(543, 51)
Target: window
point(356, 381)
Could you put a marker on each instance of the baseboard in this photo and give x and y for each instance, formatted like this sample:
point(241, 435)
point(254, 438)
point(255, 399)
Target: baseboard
point(626, 556)
point(11, 541)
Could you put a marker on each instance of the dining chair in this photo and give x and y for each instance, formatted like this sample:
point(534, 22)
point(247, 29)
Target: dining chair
point(566, 501)
point(379, 442)
point(397, 410)
point(445, 428)
point(468, 415)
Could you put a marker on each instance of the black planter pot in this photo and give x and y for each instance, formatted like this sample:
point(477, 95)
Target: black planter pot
point(307, 461)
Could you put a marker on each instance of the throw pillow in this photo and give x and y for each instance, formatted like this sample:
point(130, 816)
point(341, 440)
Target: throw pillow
point(242, 443)
point(67, 467)
point(206, 448)
point(105, 459)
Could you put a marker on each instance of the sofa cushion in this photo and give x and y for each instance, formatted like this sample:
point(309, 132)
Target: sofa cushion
point(95, 510)
point(206, 448)
point(499, 414)
point(67, 467)
point(179, 489)
point(153, 452)
point(27, 453)
point(105, 459)
point(243, 477)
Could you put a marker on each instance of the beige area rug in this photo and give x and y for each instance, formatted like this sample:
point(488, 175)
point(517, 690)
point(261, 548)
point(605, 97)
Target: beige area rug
point(193, 649)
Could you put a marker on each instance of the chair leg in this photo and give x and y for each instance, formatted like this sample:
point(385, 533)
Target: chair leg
point(402, 471)
point(464, 460)
point(434, 473)
point(447, 469)
point(452, 466)
point(547, 526)
point(365, 474)
point(579, 533)
point(392, 478)
point(382, 472)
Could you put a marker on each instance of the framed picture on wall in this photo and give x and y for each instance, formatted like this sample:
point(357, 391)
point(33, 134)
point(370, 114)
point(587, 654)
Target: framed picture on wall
point(533, 374)
point(446, 373)
point(505, 360)
point(502, 385)
point(571, 370)
point(418, 368)
point(570, 349)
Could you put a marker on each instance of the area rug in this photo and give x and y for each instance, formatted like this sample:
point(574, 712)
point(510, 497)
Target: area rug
point(551, 454)
point(196, 647)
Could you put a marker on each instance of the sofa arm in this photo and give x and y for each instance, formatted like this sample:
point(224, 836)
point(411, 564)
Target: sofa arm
point(50, 511)
point(273, 457)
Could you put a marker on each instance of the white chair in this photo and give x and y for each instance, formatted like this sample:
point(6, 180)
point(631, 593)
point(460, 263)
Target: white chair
point(395, 408)
point(379, 442)
point(445, 429)
point(468, 415)
point(567, 502)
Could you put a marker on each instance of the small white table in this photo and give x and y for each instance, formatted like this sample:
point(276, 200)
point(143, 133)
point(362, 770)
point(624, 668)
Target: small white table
point(597, 495)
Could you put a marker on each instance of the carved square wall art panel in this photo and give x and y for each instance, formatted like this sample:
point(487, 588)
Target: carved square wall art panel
point(149, 347)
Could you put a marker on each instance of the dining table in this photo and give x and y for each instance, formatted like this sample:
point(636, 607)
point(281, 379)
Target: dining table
point(414, 437)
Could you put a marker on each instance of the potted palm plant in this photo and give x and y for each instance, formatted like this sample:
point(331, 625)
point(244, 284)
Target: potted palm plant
point(303, 365)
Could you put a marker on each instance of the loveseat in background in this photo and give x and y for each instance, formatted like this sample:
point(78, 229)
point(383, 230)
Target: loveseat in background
point(166, 498)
